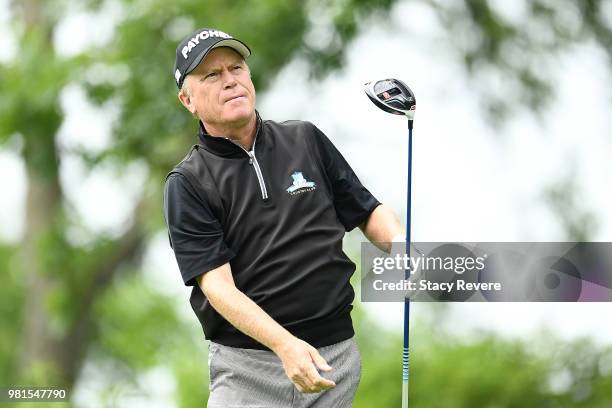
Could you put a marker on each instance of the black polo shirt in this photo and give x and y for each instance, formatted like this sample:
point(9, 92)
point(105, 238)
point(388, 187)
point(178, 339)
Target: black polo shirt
point(277, 214)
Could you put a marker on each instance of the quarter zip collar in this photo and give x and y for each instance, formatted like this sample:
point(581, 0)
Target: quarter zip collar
point(223, 146)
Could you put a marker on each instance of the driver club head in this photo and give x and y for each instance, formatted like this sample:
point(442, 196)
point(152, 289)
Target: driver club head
point(393, 96)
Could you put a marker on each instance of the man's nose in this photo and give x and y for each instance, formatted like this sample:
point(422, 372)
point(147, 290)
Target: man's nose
point(228, 79)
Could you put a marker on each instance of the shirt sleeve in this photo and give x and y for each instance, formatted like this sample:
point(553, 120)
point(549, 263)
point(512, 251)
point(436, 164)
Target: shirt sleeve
point(352, 201)
point(196, 236)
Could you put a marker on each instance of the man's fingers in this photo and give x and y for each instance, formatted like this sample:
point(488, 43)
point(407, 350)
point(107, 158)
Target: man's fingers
point(317, 386)
point(304, 385)
point(319, 383)
point(301, 367)
point(309, 381)
point(319, 360)
point(324, 384)
point(299, 385)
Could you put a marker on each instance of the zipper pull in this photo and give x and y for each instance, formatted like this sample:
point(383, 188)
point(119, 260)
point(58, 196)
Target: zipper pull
point(250, 160)
point(250, 157)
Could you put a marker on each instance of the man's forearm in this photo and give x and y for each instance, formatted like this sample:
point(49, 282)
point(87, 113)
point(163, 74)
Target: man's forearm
point(244, 314)
point(382, 227)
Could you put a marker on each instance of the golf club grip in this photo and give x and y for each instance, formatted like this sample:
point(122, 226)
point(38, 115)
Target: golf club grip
point(405, 364)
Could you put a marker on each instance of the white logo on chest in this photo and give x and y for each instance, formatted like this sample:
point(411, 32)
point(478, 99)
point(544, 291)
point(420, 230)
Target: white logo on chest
point(300, 184)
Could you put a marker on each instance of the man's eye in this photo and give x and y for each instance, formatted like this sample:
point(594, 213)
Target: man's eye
point(211, 75)
point(238, 67)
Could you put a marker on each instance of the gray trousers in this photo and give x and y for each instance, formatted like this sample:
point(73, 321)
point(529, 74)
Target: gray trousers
point(256, 378)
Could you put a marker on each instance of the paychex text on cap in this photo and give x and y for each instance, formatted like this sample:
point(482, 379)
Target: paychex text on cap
point(203, 35)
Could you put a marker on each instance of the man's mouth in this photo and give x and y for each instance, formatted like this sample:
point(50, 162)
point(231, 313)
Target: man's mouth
point(233, 98)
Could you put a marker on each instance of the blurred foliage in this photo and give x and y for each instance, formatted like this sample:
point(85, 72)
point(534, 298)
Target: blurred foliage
point(74, 298)
point(485, 371)
point(563, 197)
point(11, 293)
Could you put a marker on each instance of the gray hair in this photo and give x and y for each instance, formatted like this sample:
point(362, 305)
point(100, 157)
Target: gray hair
point(185, 88)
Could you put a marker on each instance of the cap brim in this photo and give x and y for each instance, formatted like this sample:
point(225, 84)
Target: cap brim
point(232, 43)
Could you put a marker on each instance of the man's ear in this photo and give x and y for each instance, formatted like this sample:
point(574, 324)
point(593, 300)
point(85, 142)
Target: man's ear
point(185, 99)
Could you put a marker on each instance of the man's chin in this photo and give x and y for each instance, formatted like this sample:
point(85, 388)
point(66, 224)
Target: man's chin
point(239, 118)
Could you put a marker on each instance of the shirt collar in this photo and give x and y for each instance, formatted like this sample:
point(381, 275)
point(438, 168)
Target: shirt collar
point(222, 146)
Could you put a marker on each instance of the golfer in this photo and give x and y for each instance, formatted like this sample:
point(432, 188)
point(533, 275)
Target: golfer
point(256, 213)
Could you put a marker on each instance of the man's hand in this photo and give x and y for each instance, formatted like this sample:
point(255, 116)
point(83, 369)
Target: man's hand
point(300, 361)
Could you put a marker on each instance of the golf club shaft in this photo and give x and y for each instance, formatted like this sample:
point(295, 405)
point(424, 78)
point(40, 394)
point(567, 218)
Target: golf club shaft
point(406, 352)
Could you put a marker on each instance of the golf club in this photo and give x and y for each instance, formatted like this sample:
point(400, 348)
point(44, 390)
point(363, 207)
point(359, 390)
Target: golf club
point(393, 96)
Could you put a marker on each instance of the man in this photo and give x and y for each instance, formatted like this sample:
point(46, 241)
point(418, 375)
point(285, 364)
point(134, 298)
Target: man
point(256, 214)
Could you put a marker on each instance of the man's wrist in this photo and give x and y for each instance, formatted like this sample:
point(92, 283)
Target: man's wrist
point(281, 342)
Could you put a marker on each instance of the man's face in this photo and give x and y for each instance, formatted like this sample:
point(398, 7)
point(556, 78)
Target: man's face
point(222, 94)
